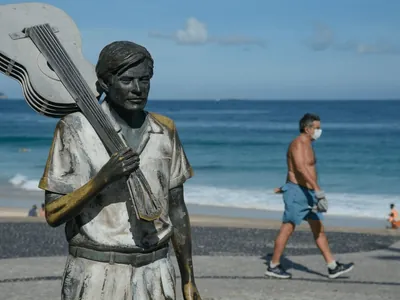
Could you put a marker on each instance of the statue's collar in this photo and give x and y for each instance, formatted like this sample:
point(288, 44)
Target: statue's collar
point(153, 125)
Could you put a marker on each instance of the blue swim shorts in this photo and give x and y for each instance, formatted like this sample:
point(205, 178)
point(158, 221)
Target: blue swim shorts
point(299, 202)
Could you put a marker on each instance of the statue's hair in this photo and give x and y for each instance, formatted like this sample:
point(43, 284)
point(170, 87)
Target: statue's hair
point(118, 56)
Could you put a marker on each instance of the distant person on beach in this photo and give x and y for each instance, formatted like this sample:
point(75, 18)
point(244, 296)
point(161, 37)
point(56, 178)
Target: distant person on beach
point(41, 211)
point(394, 219)
point(304, 200)
point(33, 211)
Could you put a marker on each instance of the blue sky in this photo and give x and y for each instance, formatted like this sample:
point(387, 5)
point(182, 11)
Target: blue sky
point(253, 49)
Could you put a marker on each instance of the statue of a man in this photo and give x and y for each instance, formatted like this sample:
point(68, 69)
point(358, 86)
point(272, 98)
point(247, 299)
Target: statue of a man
point(113, 254)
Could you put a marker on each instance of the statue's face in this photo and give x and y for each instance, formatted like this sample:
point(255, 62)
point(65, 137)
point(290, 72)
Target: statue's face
point(130, 89)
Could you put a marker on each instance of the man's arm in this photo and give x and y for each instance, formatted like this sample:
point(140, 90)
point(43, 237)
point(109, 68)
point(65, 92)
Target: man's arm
point(299, 153)
point(182, 242)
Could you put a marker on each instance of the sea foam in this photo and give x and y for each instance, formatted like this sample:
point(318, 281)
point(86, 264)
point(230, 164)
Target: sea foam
point(341, 204)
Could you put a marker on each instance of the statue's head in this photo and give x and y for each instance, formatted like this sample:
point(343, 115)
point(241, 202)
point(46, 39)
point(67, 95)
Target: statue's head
point(124, 70)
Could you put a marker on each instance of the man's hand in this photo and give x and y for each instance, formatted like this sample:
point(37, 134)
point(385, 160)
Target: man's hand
point(190, 292)
point(278, 190)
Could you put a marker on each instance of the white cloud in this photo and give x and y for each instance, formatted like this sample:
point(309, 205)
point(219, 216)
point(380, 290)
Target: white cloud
point(380, 47)
point(323, 39)
point(196, 33)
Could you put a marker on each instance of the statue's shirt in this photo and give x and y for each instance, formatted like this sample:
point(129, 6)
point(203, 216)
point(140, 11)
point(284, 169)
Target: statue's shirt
point(108, 222)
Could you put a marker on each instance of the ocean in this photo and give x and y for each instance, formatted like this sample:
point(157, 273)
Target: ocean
point(237, 150)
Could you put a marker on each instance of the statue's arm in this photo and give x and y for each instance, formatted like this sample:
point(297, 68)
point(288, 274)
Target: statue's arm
point(182, 241)
point(61, 208)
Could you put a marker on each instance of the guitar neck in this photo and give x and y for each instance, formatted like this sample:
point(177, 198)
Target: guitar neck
point(47, 42)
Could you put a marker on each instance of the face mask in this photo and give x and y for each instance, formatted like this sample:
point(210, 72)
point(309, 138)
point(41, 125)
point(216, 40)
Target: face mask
point(317, 134)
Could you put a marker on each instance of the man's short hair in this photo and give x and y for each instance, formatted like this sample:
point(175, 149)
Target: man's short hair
point(391, 205)
point(116, 57)
point(307, 121)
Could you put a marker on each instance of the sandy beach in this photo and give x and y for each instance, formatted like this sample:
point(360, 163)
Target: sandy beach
point(15, 203)
point(213, 216)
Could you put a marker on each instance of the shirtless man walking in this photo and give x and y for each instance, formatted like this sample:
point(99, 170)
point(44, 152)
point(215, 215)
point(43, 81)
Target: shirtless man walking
point(304, 200)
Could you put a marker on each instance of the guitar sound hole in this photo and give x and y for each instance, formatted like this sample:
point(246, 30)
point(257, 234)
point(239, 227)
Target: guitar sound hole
point(50, 67)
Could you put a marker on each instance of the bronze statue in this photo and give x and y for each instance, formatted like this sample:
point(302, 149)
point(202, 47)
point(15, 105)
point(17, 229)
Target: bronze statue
point(115, 172)
point(113, 253)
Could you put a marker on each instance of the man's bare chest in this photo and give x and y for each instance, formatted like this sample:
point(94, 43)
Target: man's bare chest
point(310, 157)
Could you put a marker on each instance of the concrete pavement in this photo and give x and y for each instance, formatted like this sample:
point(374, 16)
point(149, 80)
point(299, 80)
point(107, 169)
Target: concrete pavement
point(375, 276)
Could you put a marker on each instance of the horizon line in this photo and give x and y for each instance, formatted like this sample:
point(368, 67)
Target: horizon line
point(250, 99)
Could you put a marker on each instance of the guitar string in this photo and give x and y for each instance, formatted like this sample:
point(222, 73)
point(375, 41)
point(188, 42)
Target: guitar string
point(71, 78)
point(81, 91)
point(139, 174)
point(45, 42)
point(51, 50)
point(62, 62)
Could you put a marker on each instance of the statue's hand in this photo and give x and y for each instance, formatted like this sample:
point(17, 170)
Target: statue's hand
point(120, 164)
point(190, 292)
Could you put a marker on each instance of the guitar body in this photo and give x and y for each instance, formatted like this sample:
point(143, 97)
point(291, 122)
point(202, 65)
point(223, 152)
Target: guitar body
point(21, 60)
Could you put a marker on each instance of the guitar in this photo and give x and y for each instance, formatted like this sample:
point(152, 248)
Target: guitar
point(40, 47)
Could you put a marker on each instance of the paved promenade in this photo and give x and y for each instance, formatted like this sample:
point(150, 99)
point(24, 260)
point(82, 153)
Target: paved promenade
point(229, 264)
